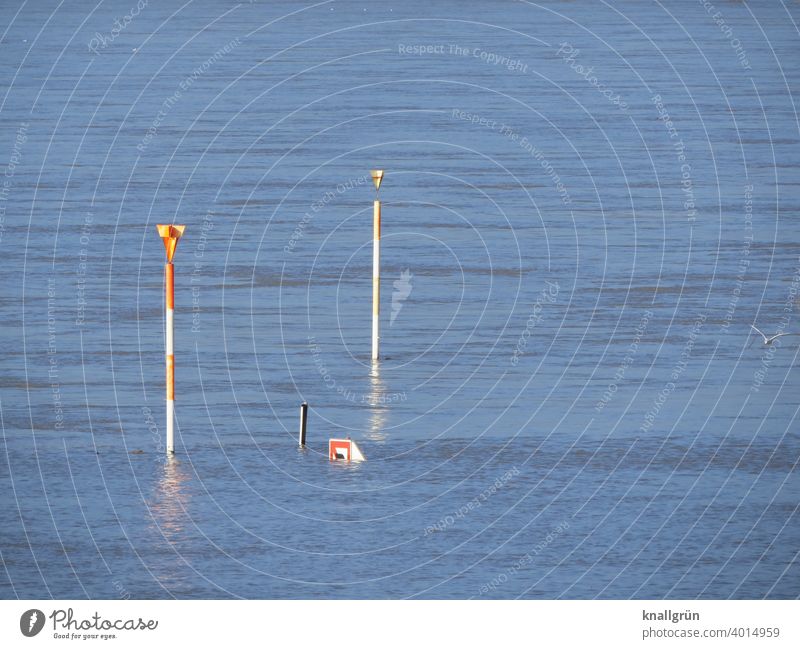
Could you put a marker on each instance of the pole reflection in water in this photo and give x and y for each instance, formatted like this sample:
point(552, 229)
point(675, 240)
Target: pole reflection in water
point(377, 404)
point(170, 500)
point(173, 564)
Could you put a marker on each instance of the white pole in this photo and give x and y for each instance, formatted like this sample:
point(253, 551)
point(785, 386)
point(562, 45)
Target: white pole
point(376, 278)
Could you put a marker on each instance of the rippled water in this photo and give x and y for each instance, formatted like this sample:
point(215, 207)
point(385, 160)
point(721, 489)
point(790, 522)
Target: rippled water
point(585, 207)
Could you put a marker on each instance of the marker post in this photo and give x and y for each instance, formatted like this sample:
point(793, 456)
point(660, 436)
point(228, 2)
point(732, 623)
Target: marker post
point(170, 235)
point(303, 420)
point(377, 178)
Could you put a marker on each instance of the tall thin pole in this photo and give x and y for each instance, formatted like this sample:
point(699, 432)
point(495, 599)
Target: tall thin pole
point(377, 177)
point(376, 278)
point(169, 351)
point(170, 235)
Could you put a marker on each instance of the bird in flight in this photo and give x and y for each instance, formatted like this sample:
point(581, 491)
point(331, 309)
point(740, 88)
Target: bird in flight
point(768, 340)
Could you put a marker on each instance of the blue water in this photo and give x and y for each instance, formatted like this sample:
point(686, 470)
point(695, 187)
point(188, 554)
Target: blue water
point(593, 203)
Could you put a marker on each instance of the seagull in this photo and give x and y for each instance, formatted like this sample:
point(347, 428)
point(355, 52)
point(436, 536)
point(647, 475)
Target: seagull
point(768, 340)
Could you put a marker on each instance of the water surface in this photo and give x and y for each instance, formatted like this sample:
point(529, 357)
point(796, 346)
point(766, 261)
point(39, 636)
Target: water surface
point(585, 207)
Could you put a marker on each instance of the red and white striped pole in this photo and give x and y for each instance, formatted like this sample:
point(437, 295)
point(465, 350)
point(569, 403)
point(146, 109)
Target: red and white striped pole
point(170, 235)
point(377, 177)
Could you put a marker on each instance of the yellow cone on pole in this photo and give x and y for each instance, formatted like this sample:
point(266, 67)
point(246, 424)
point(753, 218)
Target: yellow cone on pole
point(377, 178)
point(170, 235)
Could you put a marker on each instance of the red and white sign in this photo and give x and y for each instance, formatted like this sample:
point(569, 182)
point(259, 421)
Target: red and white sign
point(344, 449)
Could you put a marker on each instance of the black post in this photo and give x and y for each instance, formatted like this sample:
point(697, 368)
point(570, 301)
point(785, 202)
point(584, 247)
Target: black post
point(303, 419)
